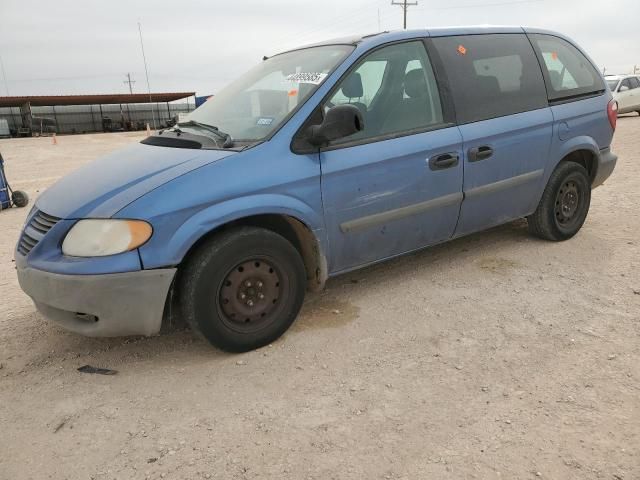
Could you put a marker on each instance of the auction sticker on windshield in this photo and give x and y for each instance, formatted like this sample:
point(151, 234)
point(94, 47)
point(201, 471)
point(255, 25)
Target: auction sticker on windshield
point(306, 77)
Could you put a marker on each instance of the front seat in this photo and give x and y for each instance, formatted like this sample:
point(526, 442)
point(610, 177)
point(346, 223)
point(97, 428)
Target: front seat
point(413, 111)
point(352, 88)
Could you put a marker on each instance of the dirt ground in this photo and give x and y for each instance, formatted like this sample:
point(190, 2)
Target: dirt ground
point(496, 356)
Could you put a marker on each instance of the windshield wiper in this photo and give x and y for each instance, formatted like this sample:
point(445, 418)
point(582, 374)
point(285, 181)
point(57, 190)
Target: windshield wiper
point(228, 140)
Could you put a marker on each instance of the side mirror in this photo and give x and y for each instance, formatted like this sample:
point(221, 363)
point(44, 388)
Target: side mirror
point(623, 88)
point(339, 122)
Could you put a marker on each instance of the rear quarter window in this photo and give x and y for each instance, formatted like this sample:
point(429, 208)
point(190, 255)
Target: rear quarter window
point(491, 75)
point(568, 73)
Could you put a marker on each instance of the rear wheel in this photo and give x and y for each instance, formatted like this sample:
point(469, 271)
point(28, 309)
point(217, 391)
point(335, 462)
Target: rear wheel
point(243, 288)
point(20, 198)
point(564, 204)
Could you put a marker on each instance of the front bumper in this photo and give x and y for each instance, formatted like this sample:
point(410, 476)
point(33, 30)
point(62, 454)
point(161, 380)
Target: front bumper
point(606, 163)
point(108, 305)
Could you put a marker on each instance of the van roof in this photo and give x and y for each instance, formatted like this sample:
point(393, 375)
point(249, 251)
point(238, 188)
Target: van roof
point(386, 36)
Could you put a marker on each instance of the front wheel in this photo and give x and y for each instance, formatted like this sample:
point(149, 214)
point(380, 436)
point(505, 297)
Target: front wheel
point(564, 204)
point(242, 289)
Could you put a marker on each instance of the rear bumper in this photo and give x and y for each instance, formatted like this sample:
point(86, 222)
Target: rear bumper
point(606, 163)
point(108, 305)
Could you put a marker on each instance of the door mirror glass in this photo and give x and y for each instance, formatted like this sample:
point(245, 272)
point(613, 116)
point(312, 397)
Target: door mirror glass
point(339, 122)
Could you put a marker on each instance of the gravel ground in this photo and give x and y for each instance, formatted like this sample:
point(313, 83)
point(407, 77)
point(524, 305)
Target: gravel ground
point(493, 356)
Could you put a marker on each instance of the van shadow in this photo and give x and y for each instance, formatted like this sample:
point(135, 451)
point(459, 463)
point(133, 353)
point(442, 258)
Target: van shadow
point(329, 309)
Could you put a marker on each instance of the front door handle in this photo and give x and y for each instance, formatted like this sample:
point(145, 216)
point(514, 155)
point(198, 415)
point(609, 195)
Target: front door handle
point(444, 160)
point(480, 153)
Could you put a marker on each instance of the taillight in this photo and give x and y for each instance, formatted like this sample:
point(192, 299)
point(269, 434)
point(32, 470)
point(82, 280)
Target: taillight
point(612, 113)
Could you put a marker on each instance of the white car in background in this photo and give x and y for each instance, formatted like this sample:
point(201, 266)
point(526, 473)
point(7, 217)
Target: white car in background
point(626, 91)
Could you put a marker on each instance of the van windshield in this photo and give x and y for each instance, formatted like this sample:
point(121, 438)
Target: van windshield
point(257, 103)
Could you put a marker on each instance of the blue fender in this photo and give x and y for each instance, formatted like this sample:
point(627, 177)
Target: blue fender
point(171, 250)
point(574, 144)
point(557, 153)
point(562, 149)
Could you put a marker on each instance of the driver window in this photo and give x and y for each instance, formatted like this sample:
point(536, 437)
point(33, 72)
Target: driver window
point(395, 90)
point(362, 85)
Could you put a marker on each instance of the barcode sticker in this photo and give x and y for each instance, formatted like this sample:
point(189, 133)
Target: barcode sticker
point(306, 77)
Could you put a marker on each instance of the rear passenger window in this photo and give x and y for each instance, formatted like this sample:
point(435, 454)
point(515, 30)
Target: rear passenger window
point(568, 72)
point(491, 75)
point(635, 83)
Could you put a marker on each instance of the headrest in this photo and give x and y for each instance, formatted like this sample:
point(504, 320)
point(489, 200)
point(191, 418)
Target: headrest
point(488, 85)
point(556, 79)
point(352, 86)
point(415, 84)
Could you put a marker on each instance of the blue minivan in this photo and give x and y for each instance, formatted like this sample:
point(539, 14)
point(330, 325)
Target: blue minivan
point(319, 161)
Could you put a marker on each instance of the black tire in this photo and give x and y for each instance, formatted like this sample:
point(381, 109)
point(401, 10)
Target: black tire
point(20, 198)
point(564, 204)
point(234, 268)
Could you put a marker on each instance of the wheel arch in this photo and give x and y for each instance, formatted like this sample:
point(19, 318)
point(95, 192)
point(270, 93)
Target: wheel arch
point(297, 232)
point(290, 217)
point(582, 150)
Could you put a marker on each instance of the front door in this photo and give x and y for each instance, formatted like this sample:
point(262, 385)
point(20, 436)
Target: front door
point(506, 125)
point(397, 185)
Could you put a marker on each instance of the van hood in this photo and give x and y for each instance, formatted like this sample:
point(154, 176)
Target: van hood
point(108, 184)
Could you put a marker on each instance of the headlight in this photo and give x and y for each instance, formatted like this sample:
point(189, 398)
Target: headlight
point(99, 238)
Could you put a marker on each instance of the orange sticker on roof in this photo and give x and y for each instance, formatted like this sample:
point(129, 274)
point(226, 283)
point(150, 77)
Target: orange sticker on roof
point(292, 93)
point(554, 55)
point(462, 50)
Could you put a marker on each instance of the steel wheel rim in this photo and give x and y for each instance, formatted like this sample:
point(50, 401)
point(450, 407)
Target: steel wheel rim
point(251, 295)
point(568, 202)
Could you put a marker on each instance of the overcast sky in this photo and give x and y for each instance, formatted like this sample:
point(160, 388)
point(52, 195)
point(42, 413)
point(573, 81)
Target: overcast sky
point(78, 47)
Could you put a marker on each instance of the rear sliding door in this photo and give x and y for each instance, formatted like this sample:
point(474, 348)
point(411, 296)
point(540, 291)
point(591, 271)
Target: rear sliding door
point(502, 111)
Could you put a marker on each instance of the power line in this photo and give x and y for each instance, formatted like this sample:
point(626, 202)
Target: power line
point(405, 6)
point(323, 27)
point(130, 82)
point(482, 5)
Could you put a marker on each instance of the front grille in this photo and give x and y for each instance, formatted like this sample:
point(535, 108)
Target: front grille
point(37, 227)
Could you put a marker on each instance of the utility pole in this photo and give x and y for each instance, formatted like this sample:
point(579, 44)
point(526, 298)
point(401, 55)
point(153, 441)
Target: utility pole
point(405, 6)
point(146, 71)
point(130, 82)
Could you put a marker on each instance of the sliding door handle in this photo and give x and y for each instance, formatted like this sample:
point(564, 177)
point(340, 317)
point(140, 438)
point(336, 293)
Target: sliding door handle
point(480, 153)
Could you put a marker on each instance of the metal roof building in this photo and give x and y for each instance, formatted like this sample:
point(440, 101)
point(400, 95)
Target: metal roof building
point(34, 115)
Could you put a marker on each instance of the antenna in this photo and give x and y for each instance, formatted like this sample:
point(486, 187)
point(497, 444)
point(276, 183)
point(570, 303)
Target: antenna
point(4, 76)
point(146, 72)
